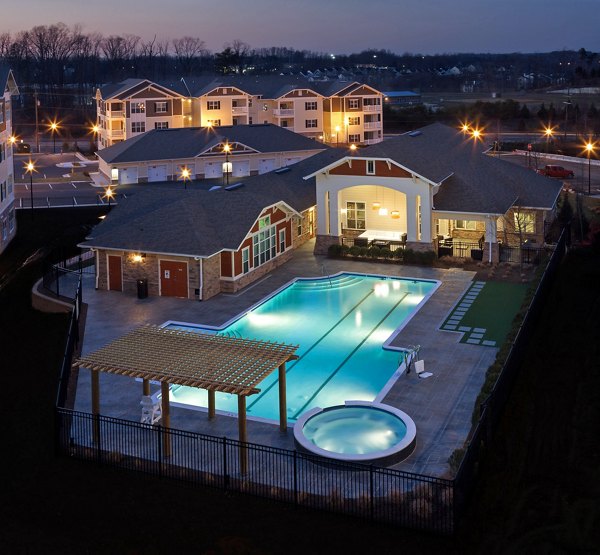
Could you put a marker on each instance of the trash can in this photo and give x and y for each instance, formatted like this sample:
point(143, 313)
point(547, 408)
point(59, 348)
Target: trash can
point(142, 288)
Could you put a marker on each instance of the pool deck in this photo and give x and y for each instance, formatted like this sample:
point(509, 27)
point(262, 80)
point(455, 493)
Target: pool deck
point(441, 406)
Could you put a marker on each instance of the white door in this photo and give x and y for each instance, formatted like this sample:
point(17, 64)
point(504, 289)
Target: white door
point(241, 168)
point(213, 169)
point(157, 173)
point(267, 165)
point(290, 161)
point(128, 175)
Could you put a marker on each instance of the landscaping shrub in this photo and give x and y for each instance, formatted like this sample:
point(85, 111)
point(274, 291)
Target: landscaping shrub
point(386, 253)
point(334, 250)
point(355, 251)
point(398, 254)
point(345, 250)
point(409, 255)
point(374, 252)
point(364, 251)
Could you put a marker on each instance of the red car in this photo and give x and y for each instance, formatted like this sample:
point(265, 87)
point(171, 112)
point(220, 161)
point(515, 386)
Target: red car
point(556, 171)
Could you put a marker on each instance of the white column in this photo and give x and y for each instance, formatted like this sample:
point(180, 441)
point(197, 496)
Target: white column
point(426, 218)
point(334, 213)
point(322, 215)
point(491, 225)
point(411, 217)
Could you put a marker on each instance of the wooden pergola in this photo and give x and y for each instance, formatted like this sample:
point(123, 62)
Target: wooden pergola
point(206, 361)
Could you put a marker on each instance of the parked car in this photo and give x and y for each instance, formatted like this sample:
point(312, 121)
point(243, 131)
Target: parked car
point(23, 148)
point(556, 171)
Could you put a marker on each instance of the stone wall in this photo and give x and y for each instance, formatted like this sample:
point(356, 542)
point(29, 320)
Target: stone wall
point(495, 253)
point(211, 276)
point(323, 243)
point(298, 240)
point(420, 247)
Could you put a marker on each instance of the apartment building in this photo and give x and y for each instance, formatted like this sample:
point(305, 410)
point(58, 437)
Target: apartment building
point(333, 112)
point(8, 225)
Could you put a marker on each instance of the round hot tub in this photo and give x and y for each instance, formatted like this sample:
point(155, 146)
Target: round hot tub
point(357, 431)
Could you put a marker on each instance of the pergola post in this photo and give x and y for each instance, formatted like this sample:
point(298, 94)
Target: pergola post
point(96, 406)
point(166, 418)
point(242, 435)
point(146, 387)
point(282, 400)
point(211, 404)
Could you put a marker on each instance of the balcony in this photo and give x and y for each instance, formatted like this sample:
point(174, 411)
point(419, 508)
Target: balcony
point(372, 108)
point(116, 133)
point(372, 125)
point(239, 110)
point(284, 113)
point(372, 141)
point(115, 114)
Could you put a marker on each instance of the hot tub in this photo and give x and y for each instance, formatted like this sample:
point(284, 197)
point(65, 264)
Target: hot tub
point(357, 431)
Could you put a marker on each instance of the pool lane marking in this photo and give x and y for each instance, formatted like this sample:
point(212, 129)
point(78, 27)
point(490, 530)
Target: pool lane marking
point(289, 367)
point(299, 411)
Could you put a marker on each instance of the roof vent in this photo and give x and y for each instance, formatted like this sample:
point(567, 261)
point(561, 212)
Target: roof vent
point(234, 186)
point(285, 169)
point(415, 133)
point(214, 188)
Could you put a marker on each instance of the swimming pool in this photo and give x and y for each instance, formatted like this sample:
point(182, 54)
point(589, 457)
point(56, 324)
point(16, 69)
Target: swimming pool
point(343, 325)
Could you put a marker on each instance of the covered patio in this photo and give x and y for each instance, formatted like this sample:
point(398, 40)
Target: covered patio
point(207, 361)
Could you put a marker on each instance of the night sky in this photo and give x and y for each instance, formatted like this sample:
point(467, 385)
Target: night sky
point(336, 26)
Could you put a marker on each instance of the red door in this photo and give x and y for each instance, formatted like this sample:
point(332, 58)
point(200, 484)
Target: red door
point(115, 274)
point(173, 279)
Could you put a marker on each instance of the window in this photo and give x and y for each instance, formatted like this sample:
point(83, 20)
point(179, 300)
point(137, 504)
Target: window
point(118, 106)
point(138, 126)
point(353, 103)
point(312, 105)
point(355, 215)
point(310, 123)
point(161, 125)
point(264, 222)
point(214, 122)
point(161, 107)
point(465, 224)
point(138, 108)
point(3, 194)
point(524, 222)
point(372, 101)
point(250, 120)
point(264, 245)
point(354, 138)
point(246, 260)
point(213, 105)
point(370, 167)
point(11, 220)
point(299, 227)
point(354, 120)
point(285, 123)
point(281, 240)
point(4, 230)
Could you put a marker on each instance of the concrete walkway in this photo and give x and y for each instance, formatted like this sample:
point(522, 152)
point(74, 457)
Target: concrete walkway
point(441, 406)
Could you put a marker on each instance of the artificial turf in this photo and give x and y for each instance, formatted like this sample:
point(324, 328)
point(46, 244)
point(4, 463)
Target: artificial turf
point(488, 312)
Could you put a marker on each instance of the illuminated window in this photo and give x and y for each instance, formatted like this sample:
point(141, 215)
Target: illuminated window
point(524, 222)
point(470, 225)
point(138, 108)
point(161, 107)
point(264, 245)
point(354, 138)
point(356, 215)
point(355, 120)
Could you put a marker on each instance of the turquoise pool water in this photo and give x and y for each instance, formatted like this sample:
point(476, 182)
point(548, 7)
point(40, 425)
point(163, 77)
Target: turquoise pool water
point(340, 324)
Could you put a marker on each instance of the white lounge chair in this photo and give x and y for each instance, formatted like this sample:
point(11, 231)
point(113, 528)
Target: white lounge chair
point(420, 369)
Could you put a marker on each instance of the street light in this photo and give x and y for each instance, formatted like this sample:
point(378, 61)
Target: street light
point(53, 129)
point(548, 132)
point(109, 194)
point(589, 147)
point(30, 168)
point(185, 175)
point(226, 167)
point(95, 129)
point(337, 135)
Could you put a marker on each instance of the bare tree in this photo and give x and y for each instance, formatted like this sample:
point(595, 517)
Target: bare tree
point(187, 51)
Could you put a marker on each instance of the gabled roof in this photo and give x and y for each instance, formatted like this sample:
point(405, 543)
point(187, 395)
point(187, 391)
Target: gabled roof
point(129, 87)
point(7, 80)
point(187, 142)
point(469, 179)
point(165, 218)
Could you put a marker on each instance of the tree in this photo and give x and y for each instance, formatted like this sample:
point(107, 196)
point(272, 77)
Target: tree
point(543, 113)
point(524, 112)
point(187, 51)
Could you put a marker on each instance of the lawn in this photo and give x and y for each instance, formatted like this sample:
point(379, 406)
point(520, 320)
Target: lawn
point(486, 311)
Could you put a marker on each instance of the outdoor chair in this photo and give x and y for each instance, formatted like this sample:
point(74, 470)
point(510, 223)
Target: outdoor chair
point(420, 369)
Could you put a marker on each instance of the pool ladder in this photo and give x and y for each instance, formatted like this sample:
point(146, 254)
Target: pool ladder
point(323, 273)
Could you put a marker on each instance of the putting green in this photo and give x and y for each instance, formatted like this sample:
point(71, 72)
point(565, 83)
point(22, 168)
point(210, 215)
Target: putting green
point(485, 312)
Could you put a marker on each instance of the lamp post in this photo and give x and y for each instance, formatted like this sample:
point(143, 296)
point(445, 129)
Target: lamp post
point(30, 168)
point(589, 147)
point(109, 194)
point(95, 130)
point(185, 175)
point(53, 129)
point(548, 132)
point(226, 150)
point(337, 135)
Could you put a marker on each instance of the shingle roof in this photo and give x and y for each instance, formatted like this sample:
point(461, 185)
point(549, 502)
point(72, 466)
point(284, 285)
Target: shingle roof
point(187, 142)
point(195, 222)
point(478, 183)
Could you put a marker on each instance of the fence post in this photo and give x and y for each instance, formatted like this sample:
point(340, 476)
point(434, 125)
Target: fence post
point(371, 494)
point(225, 476)
point(159, 449)
point(57, 281)
point(296, 478)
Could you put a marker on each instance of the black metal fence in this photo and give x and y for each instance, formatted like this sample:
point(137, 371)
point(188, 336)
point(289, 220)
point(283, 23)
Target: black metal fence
point(370, 492)
point(525, 254)
point(62, 278)
point(361, 242)
point(461, 249)
point(493, 406)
